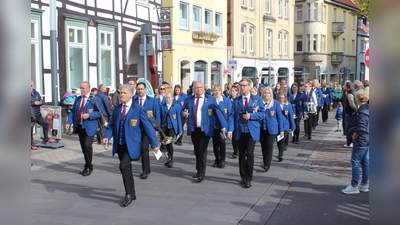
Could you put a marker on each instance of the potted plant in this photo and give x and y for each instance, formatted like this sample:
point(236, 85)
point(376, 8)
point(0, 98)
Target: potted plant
point(213, 36)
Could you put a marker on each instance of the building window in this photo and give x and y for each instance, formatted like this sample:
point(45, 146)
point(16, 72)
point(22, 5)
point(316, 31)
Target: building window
point(285, 10)
point(251, 4)
point(207, 21)
point(36, 53)
point(315, 39)
point(299, 43)
point(363, 46)
point(354, 22)
point(183, 16)
point(196, 18)
point(218, 23)
point(243, 3)
point(308, 43)
point(299, 13)
point(285, 43)
point(316, 11)
point(268, 6)
point(215, 73)
point(344, 16)
point(360, 23)
point(344, 45)
point(279, 8)
point(308, 11)
point(76, 52)
point(106, 55)
point(251, 39)
point(280, 43)
point(322, 43)
point(323, 13)
point(243, 38)
point(269, 41)
point(335, 15)
point(353, 46)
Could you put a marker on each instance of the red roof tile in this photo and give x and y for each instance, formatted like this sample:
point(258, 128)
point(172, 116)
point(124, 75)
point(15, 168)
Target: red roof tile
point(347, 2)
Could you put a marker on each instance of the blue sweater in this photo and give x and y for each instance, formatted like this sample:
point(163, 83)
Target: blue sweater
point(339, 113)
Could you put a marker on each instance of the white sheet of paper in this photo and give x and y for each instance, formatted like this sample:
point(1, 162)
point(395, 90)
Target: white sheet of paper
point(278, 138)
point(158, 154)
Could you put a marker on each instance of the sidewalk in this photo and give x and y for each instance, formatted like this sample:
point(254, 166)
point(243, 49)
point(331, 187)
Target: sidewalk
point(304, 188)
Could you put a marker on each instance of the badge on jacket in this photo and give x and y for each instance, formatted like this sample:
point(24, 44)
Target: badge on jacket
point(149, 113)
point(182, 103)
point(301, 102)
point(210, 112)
point(286, 112)
point(133, 122)
point(272, 112)
point(225, 110)
point(174, 116)
point(90, 110)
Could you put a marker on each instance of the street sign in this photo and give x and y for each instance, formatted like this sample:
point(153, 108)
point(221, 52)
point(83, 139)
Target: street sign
point(366, 58)
point(232, 64)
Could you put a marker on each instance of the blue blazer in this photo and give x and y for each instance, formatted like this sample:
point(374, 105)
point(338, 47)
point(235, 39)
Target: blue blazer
point(273, 119)
point(136, 121)
point(297, 104)
point(90, 125)
point(174, 116)
point(208, 112)
point(181, 99)
point(151, 106)
point(259, 86)
point(320, 99)
point(255, 118)
point(162, 102)
point(104, 99)
point(225, 107)
point(288, 121)
point(328, 98)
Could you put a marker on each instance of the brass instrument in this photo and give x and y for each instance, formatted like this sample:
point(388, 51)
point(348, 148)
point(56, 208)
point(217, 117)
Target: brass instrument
point(166, 140)
point(104, 122)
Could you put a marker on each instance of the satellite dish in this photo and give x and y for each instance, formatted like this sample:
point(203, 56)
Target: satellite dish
point(149, 88)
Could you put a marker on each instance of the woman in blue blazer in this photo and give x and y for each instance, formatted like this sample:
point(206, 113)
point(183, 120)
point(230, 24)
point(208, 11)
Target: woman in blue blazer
point(288, 123)
point(297, 100)
point(271, 126)
point(161, 94)
point(179, 99)
point(171, 124)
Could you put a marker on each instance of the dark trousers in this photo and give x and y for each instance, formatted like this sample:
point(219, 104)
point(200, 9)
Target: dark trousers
point(325, 112)
point(308, 124)
point(297, 131)
point(179, 140)
point(219, 146)
point(344, 123)
point(235, 145)
point(144, 154)
point(125, 166)
point(316, 117)
point(86, 146)
point(45, 127)
point(282, 143)
point(246, 156)
point(200, 143)
point(267, 144)
point(100, 134)
point(170, 147)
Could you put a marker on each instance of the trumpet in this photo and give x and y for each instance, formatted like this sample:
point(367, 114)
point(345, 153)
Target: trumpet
point(166, 140)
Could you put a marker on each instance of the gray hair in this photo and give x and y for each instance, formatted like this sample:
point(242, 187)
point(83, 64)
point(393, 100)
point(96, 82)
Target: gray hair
point(358, 84)
point(127, 86)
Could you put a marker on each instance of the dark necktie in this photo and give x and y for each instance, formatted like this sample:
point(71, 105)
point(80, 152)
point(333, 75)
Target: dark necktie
point(195, 112)
point(80, 109)
point(141, 103)
point(246, 103)
point(124, 111)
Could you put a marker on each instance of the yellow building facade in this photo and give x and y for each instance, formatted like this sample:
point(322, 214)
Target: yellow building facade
point(325, 40)
point(198, 42)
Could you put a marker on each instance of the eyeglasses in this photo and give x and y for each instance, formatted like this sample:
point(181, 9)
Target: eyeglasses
point(162, 88)
point(243, 85)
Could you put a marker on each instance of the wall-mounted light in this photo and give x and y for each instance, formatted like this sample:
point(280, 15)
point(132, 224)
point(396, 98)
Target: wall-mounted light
point(92, 23)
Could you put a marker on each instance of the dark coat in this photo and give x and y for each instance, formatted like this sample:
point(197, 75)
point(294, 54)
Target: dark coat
point(359, 123)
point(35, 96)
point(104, 101)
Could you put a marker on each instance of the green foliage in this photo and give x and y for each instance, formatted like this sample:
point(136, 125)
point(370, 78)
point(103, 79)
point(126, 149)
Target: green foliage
point(363, 5)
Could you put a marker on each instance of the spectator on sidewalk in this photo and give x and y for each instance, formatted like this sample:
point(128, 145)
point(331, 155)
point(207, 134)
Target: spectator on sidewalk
point(326, 101)
point(339, 117)
point(351, 105)
point(36, 103)
point(358, 134)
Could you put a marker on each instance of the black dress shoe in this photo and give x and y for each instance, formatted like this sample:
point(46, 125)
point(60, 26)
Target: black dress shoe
point(128, 199)
point(248, 184)
point(309, 137)
point(243, 181)
point(143, 175)
point(293, 140)
point(215, 165)
point(196, 175)
point(86, 172)
point(297, 141)
point(285, 148)
point(280, 159)
point(170, 163)
point(233, 156)
point(221, 164)
point(179, 143)
point(200, 178)
point(265, 168)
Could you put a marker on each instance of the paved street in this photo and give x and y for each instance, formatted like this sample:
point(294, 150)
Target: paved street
point(305, 188)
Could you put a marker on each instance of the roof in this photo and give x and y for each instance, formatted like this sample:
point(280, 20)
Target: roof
point(364, 29)
point(347, 2)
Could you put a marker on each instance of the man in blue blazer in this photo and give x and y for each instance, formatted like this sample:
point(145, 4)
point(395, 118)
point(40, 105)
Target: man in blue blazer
point(85, 117)
point(326, 100)
point(258, 84)
point(126, 126)
point(152, 108)
point(248, 112)
point(200, 110)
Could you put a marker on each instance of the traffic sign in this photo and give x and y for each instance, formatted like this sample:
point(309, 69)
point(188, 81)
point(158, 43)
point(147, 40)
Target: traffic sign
point(232, 64)
point(366, 58)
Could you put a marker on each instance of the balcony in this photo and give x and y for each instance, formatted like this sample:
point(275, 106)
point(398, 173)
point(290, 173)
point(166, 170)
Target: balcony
point(338, 28)
point(336, 58)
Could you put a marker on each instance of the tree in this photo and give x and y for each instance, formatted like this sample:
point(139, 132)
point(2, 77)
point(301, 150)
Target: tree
point(363, 5)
